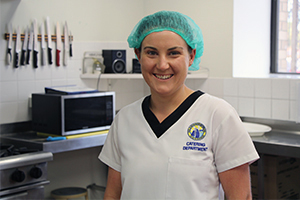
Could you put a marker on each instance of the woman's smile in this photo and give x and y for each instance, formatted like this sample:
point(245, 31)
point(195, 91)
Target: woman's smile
point(163, 76)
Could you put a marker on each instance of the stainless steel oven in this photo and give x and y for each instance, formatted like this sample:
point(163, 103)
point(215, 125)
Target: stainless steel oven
point(23, 172)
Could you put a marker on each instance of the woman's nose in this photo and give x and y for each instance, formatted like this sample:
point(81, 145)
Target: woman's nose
point(162, 63)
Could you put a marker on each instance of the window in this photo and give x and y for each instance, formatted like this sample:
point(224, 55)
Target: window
point(285, 37)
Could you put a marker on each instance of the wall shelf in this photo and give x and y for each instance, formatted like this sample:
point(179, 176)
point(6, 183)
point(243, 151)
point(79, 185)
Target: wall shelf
point(198, 75)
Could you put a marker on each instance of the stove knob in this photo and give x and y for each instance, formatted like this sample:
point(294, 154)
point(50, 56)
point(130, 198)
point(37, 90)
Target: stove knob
point(35, 172)
point(18, 176)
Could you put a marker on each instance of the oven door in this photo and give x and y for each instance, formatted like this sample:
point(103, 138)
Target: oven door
point(33, 192)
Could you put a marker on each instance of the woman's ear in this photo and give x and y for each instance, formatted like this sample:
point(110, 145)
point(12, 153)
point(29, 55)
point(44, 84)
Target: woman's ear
point(192, 57)
point(137, 53)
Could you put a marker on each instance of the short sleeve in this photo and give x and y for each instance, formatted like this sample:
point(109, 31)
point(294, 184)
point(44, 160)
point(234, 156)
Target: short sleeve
point(233, 145)
point(110, 154)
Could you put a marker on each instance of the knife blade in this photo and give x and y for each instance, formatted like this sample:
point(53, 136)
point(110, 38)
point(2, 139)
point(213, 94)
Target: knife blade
point(43, 52)
point(66, 42)
point(8, 56)
point(24, 49)
point(58, 44)
point(70, 39)
point(49, 41)
point(18, 47)
point(35, 44)
point(30, 44)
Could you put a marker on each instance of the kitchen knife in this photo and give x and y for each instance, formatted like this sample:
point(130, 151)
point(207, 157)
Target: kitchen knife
point(18, 47)
point(58, 44)
point(49, 41)
point(43, 52)
point(66, 42)
point(8, 56)
point(35, 44)
point(24, 49)
point(30, 43)
point(70, 39)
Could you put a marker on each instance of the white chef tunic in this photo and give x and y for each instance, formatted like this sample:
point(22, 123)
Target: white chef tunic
point(181, 157)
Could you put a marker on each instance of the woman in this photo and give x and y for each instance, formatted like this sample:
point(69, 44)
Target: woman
point(176, 143)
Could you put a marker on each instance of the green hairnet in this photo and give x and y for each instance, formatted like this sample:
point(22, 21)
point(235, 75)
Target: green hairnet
point(171, 21)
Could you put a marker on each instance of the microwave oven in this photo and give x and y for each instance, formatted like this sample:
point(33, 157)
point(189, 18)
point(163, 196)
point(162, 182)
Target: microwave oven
point(72, 114)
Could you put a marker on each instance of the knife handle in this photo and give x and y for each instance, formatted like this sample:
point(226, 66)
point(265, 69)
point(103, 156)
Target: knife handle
point(28, 57)
point(17, 60)
point(23, 57)
point(35, 59)
point(50, 56)
point(71, 53)
point(66, 54)
point(8, 58)
point(57, 57)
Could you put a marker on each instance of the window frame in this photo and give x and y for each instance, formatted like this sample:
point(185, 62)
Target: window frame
point(273, 39)
point(273, 35)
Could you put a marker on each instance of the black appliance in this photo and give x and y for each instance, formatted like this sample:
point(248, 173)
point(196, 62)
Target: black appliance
point(136, 66)
point(72, 114)
point(114, 61)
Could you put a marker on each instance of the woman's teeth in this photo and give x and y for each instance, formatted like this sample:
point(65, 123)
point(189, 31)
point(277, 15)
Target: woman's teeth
point(163, 76)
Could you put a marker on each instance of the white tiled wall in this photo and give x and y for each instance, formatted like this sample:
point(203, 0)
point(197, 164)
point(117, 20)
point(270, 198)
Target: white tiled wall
point(271, 98)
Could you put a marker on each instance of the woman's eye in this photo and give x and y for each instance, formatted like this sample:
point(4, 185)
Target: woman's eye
point(174, 53)
point(151, 53)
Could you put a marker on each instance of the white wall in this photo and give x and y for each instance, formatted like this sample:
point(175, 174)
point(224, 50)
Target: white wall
point(251, 38)
point(93, 23)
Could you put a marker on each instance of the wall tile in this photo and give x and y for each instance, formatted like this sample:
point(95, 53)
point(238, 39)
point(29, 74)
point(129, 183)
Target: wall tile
point(9, 112)
point(280, 109)
point(23, 112)
point(230, 87)
point(246, 107)
point(9, 91)
point(262, 88)
point(262, 108)
point(294, 89)
point(25, 73)
point(246, 87)
point(25, 88)
point(7, 73)
point(293, 110)
point(216, 87)
point(280, 89)
point(44, 72)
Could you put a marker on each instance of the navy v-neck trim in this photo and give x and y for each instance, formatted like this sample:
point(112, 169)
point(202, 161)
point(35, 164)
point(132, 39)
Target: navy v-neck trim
point(160, 128)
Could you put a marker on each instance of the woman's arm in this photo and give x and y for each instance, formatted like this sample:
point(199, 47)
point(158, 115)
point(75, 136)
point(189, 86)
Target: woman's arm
point(113, 186)
point(236, 182)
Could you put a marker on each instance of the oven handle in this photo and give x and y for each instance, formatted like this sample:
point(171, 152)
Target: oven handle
point(23, 188)
point(14, 196)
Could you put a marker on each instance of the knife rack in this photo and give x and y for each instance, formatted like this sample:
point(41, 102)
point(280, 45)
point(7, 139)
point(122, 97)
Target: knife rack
point(53, 37)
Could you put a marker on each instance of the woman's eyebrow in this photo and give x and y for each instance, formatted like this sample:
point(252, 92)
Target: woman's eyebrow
point(146, 47)
point(177, 47)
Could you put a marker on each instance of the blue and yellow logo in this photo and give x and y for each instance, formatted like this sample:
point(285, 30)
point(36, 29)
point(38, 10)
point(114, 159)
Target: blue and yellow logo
point(196, 131)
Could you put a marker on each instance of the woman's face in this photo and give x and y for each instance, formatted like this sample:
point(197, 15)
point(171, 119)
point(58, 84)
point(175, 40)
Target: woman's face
point(164, 59)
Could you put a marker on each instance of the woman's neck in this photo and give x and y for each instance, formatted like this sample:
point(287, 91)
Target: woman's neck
point(163, 106)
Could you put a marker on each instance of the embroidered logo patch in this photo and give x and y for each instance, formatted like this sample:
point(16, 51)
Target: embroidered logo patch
point(196, 131)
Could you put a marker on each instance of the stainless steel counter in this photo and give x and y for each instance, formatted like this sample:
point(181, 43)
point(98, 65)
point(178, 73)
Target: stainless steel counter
point(33, 141)
point(283, 140)
point(279, 142)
